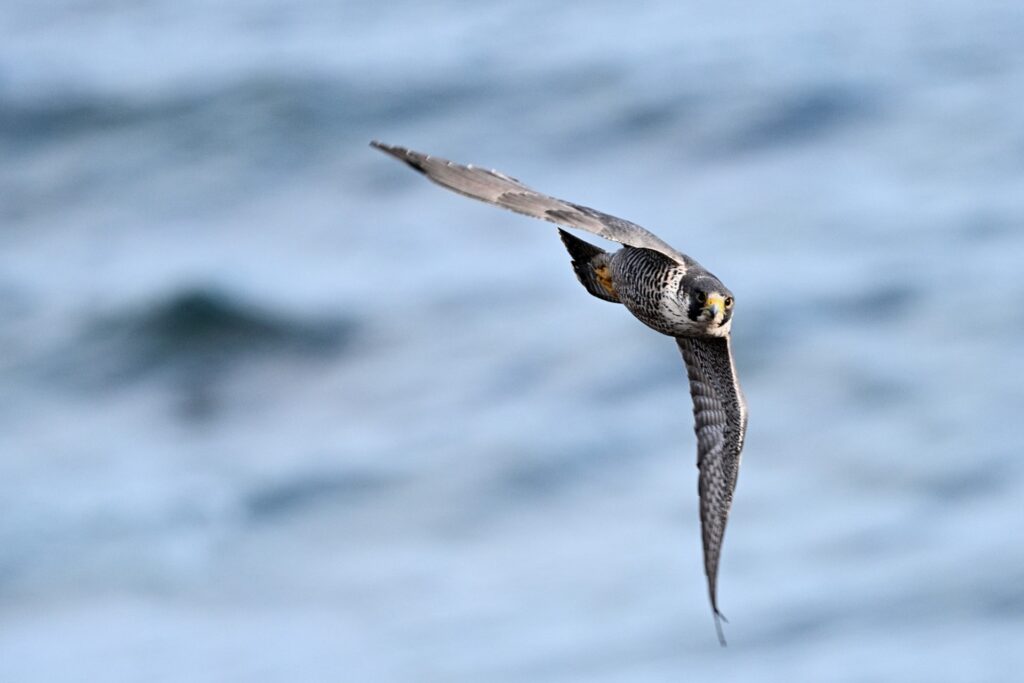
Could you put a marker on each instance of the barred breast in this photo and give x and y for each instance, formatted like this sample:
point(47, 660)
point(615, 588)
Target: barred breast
point(647, 283)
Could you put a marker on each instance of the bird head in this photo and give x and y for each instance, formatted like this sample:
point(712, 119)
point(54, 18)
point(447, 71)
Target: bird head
point(708, 303)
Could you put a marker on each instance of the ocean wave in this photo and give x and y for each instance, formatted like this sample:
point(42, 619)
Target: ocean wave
point(198, 335)
point(802, 114)
point(298, 493)
point(217, 114)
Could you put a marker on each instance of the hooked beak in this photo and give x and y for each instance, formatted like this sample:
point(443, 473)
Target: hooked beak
point(714, 306)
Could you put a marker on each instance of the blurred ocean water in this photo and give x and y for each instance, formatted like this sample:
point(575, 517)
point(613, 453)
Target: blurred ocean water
point(273, 408)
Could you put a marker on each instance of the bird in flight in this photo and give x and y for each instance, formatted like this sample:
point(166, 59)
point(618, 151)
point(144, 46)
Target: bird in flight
point(666, 290)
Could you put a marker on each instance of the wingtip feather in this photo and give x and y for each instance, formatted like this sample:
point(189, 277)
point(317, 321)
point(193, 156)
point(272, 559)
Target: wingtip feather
point(413, 159)
point(386, 148)
point(719, 618)
point(393, 150)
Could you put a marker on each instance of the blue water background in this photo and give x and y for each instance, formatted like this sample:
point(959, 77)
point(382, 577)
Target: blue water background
point(273, 408)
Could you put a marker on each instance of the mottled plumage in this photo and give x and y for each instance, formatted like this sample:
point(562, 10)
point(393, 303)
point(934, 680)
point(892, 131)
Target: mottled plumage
point(664, 289)
point(720, 423)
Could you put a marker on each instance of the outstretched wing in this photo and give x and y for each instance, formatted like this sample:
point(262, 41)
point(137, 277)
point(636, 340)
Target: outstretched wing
point(499, 189)
point(720, 422)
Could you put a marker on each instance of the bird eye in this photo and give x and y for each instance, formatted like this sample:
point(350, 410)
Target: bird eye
point(702, 297)
point(728, 302)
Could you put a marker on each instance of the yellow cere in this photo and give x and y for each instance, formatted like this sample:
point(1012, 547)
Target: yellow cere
point(715, 300)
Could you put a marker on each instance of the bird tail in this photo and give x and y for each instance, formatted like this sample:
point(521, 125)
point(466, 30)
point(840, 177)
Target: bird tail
point(592, 266)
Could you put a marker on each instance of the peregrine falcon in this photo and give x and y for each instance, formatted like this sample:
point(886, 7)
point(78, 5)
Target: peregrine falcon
point(666, 290)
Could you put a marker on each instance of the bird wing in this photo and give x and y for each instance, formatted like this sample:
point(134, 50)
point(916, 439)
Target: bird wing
point(501, 190)
point(720, 422)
